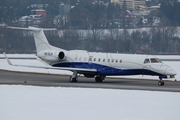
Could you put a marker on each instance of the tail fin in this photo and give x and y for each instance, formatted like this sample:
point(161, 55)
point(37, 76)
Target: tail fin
point(40, 39)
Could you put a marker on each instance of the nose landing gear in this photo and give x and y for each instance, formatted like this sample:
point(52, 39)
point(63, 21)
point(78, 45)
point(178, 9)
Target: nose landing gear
point(161, 83)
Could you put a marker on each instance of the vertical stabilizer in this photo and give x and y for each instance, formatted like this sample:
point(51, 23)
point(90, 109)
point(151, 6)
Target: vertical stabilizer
point(40, 39)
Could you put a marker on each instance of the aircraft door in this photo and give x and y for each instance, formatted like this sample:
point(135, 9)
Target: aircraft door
point(146, 66)
point(109, 59)
point(90, 61)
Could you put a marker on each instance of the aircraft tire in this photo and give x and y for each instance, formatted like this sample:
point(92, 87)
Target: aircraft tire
point(72, 79)
point(98, 79)
point(160, 83)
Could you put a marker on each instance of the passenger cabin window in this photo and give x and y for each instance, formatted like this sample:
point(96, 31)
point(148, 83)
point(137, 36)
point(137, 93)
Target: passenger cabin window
point(103, 60)
point(90, 59)
point(99, 59)
point(155, 60)
point(146, 61)
point(94, 59)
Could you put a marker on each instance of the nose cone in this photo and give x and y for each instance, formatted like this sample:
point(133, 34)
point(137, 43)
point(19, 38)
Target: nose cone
point(169, 71)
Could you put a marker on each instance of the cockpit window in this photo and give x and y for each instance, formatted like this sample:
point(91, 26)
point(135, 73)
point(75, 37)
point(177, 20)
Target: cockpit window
point(146, 61)
point(155, 60)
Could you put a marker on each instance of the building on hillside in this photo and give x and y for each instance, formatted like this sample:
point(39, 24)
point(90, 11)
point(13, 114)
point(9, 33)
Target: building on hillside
point(39, 12)
point(130, 4)
point(31, 20)
point(38, 6)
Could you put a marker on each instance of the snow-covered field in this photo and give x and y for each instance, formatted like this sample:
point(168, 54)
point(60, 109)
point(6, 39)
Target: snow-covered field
point(20, 102)
point(56, 103)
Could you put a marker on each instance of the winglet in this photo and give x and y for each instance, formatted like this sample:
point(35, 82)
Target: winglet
point(9, 62)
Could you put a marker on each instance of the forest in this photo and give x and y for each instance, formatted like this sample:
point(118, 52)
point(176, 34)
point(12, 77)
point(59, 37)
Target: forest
point(155, 40)
point(82, 31)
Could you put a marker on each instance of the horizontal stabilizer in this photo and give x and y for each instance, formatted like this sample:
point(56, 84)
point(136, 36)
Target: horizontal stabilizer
point(32, 28)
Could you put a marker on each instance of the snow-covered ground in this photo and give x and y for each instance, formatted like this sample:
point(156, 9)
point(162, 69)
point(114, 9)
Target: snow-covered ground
point(57, 103)
point(20, 102)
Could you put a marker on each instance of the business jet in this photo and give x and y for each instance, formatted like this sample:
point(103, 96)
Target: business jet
point(95, 64)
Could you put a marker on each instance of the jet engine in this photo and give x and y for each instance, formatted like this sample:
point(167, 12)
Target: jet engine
point(51, 55)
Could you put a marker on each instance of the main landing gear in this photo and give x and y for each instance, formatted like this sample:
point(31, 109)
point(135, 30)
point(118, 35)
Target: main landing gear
point(99, 78)
point(74, 77)
point(71, 79)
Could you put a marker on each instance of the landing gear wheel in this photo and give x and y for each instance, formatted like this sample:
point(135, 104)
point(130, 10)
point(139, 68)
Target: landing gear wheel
point(99, 78)
point(72, 79)
point(161, 83)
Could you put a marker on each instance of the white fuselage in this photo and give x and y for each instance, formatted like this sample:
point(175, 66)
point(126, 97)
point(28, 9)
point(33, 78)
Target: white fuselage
point(111, 63)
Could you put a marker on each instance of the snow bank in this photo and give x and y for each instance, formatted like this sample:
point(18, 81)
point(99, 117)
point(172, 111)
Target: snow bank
point(56, 103)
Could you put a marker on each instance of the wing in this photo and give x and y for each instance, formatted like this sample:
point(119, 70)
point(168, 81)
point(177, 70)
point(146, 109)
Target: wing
point(79, 70)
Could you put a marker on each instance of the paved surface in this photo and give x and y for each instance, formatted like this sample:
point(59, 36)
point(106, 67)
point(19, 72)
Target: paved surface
point(15, 78)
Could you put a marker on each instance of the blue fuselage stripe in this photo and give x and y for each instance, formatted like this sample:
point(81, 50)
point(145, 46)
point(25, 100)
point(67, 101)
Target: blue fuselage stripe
point(106, 70)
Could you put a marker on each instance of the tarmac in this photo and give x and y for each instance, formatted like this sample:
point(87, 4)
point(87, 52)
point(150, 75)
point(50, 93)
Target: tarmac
point(34, 79)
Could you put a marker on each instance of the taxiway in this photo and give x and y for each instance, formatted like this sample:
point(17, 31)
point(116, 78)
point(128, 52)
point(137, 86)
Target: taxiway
point(18, 78)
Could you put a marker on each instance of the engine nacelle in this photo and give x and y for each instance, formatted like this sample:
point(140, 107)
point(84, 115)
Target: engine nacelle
point(61, 55)
point(51, 55)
